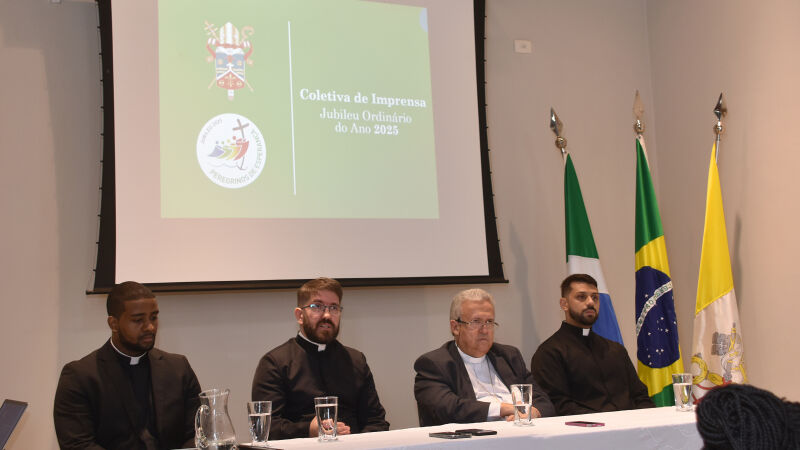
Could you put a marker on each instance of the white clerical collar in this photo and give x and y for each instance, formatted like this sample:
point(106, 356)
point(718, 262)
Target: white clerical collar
point(320, 347)
point(470, 359)
point(134, 359)
point(584, 331)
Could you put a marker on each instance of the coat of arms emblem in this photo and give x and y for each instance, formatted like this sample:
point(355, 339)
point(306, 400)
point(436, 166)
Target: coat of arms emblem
point(230, 48)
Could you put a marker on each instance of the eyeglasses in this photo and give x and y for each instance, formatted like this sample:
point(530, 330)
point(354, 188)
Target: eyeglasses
point(318, 309)
point(478, 324)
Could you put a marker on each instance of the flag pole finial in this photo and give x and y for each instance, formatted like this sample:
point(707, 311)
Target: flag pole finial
point(720, 110)
point(638, 112)
point(557, 126)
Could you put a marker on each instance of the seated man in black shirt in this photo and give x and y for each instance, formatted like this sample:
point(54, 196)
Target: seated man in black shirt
point(127, 394)
point(581, 371)
point(314, 364)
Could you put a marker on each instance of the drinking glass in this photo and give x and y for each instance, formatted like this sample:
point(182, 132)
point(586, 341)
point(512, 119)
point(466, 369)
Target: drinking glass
point(259, 415)
point(522, 398)
point(682, 387)
point(327, 411)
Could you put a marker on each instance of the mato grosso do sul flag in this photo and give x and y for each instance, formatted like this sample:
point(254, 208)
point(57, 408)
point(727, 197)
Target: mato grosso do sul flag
point(717, 353)
point(582, 253)
point(656, 324)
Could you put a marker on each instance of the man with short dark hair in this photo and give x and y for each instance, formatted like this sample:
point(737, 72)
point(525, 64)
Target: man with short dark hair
point(127, 394)
point(467, 379)
point(581, 371)
point(314, 364)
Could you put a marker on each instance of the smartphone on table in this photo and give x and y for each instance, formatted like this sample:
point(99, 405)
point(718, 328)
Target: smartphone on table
point(584, 423)
point(450, 435)
point(477, 432)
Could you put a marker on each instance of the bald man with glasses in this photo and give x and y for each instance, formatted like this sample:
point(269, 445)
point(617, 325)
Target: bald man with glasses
point(314, 364)
point(467, 380)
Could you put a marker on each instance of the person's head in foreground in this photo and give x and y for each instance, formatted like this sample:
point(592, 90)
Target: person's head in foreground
point(740, 416)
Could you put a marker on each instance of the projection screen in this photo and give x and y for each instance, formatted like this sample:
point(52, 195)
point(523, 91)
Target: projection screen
point(257, 143)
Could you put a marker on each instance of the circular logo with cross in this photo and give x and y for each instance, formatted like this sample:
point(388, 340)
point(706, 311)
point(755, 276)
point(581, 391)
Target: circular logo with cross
point(231, 150)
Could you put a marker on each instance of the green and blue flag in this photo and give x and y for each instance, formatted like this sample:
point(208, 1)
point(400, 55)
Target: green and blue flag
point(582, 254)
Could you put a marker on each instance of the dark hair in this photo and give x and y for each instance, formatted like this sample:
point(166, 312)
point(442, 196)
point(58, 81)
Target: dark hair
point(314, 286)
point(740, 416)
point(566, 285)
point(123, 292)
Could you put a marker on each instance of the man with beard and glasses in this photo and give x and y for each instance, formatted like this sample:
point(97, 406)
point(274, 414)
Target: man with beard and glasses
point(581, 371)
point(314, 364)
point(127, 394)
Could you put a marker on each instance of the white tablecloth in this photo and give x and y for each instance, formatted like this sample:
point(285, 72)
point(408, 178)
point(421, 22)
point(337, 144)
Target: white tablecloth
point(657, 428)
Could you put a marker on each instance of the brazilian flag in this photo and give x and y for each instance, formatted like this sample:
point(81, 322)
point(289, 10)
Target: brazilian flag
point(656, 325)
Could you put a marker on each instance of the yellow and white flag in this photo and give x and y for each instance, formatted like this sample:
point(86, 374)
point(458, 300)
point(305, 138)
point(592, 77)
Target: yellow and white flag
point(717, 354)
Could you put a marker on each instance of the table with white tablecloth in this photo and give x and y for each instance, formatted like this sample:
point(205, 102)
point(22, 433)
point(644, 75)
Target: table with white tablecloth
point(656, 428)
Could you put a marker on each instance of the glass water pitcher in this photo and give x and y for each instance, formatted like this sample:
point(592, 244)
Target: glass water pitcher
point(213, 429)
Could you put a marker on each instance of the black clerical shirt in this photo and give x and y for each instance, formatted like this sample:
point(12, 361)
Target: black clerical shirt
point(139, 376)
point(292, 374)
point(586, 374)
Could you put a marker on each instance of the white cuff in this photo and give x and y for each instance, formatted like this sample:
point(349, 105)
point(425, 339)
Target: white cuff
point(494, 411)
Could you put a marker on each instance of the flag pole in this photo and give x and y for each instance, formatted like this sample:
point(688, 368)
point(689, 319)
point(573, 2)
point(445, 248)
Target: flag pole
point(638, 112)
point(581, 251)
point(720, 110)
point(638, 125)
point(658, 349)
point(557, 126)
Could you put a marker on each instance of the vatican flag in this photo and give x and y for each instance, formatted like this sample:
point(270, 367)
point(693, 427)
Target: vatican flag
point(717, 354)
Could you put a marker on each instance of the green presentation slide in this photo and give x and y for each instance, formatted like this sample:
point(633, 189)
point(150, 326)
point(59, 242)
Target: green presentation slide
point(295, 109)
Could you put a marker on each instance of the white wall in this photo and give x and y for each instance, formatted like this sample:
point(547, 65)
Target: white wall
point(746, 49)
point(588, 59)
